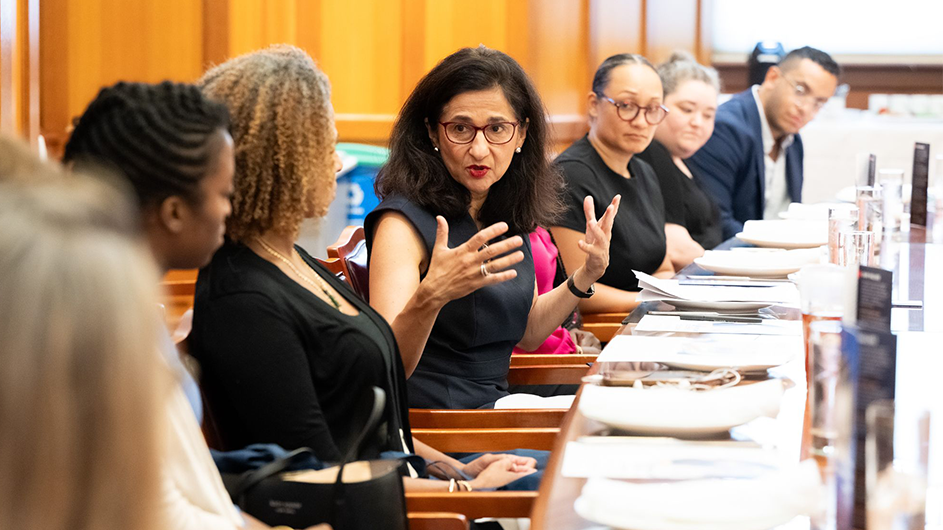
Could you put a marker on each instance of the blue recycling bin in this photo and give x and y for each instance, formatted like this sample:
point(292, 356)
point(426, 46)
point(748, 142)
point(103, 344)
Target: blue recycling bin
point(358, 182)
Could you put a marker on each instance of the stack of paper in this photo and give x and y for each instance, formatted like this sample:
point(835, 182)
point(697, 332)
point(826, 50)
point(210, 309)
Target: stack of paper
point(716, 296)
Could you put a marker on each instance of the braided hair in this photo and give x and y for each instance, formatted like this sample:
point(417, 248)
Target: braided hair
point(161, 137)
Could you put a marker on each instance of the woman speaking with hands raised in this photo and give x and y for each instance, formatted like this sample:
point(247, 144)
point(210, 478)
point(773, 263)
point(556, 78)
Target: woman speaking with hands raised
point(450, 264)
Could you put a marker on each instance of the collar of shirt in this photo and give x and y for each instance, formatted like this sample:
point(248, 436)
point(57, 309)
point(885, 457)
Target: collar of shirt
point(768, 141)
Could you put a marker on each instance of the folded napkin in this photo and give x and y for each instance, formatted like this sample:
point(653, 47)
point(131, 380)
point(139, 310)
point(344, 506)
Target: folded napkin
point(760, 503)
point(675, 411)
point(660, 289)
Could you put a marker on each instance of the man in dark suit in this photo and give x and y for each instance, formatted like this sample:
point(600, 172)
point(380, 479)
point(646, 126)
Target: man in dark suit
point(752, 164)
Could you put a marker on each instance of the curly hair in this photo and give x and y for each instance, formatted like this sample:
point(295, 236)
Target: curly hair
point(527, 196)
point(283, 131)
point(163, 138)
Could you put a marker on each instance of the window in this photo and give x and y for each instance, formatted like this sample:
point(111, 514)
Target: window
point(856, 31)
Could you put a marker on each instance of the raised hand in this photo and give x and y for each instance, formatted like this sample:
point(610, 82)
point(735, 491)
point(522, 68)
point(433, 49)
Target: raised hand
point(457, 272)
point(595, 242)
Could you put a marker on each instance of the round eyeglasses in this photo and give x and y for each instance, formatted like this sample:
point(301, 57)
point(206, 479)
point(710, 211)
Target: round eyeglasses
point(804, 94)
point(497, 133)
point(628, 111)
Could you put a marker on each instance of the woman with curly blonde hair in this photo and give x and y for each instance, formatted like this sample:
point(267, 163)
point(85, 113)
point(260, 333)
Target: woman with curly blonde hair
point(289, 353)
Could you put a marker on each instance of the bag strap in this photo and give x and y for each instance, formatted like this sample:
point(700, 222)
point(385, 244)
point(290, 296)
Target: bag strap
point(379, 404)
point(250, 479)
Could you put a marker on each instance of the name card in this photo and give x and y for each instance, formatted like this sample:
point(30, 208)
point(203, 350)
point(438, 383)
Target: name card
point(874, 298)
point(921, 179)
point(874, 357)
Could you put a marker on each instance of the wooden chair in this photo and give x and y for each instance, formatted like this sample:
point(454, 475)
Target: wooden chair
point(437, 521)
point(486, 419)
point(603, 325)
point(350, 250)
point(478, 440)
point(178, 288)
point(474, 504)
point(334, 265)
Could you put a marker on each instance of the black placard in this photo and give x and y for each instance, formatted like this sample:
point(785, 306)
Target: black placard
point(874, 298)
point(874, 355)
point(921, 179)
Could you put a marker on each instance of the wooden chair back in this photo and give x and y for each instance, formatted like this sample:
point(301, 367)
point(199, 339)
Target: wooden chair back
point(437, 521)
point(335, 265)
point(486, 419)
point(474, 504)
point(351, 249)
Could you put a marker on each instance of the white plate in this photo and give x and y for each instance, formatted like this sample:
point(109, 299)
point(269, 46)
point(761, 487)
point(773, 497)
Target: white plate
point(682, 413)
point(787, 241)
point(718, 306)
point(791, 234)
point(772, 499)
point(759, 365)
point(764, 264)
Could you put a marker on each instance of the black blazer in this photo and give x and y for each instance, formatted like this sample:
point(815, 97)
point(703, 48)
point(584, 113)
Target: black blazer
point(731, 167)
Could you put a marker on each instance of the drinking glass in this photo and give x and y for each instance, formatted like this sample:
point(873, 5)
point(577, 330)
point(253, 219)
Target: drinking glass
point(840, 219)
point(857, 248)
point(821, 298)
point(892, 183)
point(896, 467)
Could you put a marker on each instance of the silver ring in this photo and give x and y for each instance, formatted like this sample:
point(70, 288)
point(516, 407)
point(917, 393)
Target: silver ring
point(484, 270)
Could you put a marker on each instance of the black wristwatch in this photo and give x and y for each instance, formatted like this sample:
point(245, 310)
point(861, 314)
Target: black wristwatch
point(576, 292)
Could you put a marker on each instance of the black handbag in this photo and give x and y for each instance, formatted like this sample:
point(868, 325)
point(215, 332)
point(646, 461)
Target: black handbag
point(368, 495)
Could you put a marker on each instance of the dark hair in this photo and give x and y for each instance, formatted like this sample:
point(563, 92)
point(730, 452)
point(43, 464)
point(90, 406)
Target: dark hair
point(817, 56)
point(158, 136)
point(604, 72)
point(526, 196)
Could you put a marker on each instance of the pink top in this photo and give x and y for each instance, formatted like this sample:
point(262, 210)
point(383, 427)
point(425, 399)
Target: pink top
point(545, 268)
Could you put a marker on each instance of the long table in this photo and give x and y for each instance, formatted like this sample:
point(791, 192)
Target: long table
point(917, 265)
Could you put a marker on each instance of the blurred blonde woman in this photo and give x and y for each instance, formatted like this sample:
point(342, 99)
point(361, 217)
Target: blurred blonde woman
point(82, 387)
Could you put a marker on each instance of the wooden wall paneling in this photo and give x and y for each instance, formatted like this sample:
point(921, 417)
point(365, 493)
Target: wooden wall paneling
point(670, 25)
point(615, 26)
point(31, 88)
point(53, 74)
point(365, 62)
point(94, 43)
point(455, 24)
point(215, 32)
point(8, 66)
point(19, 68)
point(705, 11)
point(308, 21)
point(559, 44)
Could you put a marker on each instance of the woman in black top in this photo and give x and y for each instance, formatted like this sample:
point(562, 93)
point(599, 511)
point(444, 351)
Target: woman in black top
point(288, 352)
point(692, 220)
point(468, 179)
point(625, 105)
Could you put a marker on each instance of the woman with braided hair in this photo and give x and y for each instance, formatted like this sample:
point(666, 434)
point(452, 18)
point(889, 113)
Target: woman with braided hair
point(172, 144)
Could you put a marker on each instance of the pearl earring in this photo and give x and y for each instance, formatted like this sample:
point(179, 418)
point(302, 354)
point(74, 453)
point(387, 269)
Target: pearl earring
point(518, 150)
point(436, 149)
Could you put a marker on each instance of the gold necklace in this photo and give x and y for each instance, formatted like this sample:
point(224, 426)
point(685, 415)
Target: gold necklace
point(319, 284)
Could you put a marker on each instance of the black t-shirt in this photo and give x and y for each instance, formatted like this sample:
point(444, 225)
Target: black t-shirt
point(281, 365)
point(638, 232)
point(686, 204)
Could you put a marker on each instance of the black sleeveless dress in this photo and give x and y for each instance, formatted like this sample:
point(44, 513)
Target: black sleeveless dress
point(466, 359)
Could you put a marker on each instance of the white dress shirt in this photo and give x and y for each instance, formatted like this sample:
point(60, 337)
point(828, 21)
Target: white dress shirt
point(777, 194)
